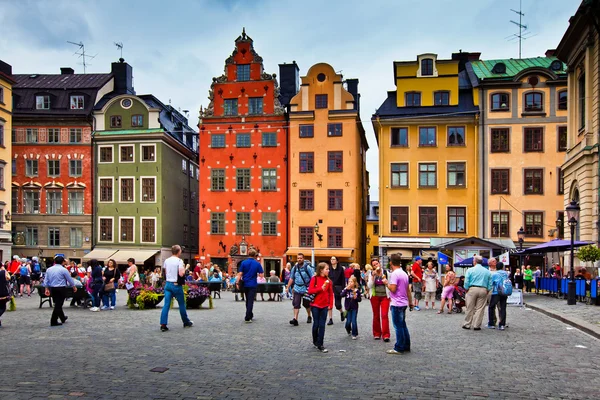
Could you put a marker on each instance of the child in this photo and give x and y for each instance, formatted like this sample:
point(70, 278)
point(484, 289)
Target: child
point(322, 288)
point(352, 295)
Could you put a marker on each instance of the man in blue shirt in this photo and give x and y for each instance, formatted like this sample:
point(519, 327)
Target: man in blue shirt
point(248, 271)
point(300, 277)
point(56, 282)
point(478, 283)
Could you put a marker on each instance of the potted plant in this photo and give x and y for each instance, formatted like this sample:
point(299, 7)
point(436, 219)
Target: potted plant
point(196, 295)
point(145, 297)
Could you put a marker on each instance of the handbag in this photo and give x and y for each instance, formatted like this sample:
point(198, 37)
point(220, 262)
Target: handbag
point(310, 297)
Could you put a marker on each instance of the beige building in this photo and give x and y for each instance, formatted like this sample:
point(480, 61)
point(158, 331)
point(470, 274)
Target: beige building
point(6, 83)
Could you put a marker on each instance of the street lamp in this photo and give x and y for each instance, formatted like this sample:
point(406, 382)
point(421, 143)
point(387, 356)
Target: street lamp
point(559, 223)
point(319, 237)
point(572, 218)
point(521, 236)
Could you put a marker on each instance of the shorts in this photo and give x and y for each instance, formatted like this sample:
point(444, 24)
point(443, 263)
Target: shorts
point(35, 277)
point(448, 292)
point(417, 288)
point(298, 301)
point(24, 280)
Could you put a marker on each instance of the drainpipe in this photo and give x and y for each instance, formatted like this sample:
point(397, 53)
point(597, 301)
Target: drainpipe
point(93, 190)
point(483, 162)
point(189, 210)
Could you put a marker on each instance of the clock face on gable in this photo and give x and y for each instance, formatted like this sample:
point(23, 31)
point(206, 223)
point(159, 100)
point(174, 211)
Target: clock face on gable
point(126, 103)
point(19, 239)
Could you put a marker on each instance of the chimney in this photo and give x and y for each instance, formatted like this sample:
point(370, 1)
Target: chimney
point(123, 74)
point(464, 58)
point(352, 85)
point(550, 52)
point(5, 68)
point(289, 82)
point(66, 71)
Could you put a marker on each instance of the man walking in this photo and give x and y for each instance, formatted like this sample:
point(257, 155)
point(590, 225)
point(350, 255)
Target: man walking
point(417, 280)
point(338, 278)
point(300, 278)
point(249, 270)
point(497, 299)
point(56, 282)
point(174, 272)
point(478, 283)
point(25, 277)
point(400, 300)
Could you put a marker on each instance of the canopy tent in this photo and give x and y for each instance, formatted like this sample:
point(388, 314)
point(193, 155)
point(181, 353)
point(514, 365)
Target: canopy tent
point(552, 246)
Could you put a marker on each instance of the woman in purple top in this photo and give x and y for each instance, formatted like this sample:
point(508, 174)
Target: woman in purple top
point(400, 300)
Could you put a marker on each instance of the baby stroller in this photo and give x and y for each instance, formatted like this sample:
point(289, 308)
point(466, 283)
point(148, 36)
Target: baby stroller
point(459, 299)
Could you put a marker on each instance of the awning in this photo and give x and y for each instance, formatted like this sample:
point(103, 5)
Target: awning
point(404, 242)
point(320, 252)
point(405, 254)
point(139, 256)
point(100, 254)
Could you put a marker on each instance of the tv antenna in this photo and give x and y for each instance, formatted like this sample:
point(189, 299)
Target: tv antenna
point(120, 47)
point(81, 53)
point(523, 34)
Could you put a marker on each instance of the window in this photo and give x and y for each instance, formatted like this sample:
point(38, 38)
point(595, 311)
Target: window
point(534, 101)
point(75, 135)
point(148, 153)
point(76, 202)
point(186, 199)
point(376, 229)
point(243, 72)
point(53, 237)
point(230, 107)
point(148, 189)
point(255, 105)
point(320, 101)
point(126, 229)
point(399, 137)
point(456, 136)
point(581, 101)
point(562, 100)
point(413, 99)
point(31, 167)
point(500, 102)
point(76, 237)
point(456, 174)
point(534, 181)
point(399, 175)
point(115, 121)
point(427, 175)
point(562, 138)
point(217, 180)
point(76, 102)
point(242, 223)
point(42, 102)
point(31, 200)
point(456, 219)
point(534, 224)
point(243, 179)
point(106, 154)
point(307, 131)
point(534, 140)
point(560, 216)
point(106, 229)
point(14, 166)
point(426, 67)
point(1, 95)
point(15, 201)
point(335, 161)
point(307, 162)
point(500, 224)
point(106, 189)
point(334, 129)
point(13, 135)
point(1, 135)
point(126, 190)
point(75, 168)
point(53, 168)
point(148, 230)
point(427, 136)
point(269, 140)
point(193, 202)
point(306, 236)
point(137, 120)
point(217, 223)
point(217, 141)
point(441, 98)
point(53, 135)
point(500, 140)
point(269, 179)
point(307, 200)
point(1, 183)
point(427, 219)
point(126, 153)
point(500, 181)
point(32, 135)
point(399, 219)
point(335, 237)
point(31, 236)
point(335, 199)
point(53, 201)
point(560, 178)
point(269, 224)
point(242, 140)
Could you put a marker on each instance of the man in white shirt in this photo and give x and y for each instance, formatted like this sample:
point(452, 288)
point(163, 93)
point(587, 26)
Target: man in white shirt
point(174, 272)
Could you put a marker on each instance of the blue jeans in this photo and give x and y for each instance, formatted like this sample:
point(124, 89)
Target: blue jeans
point(402, 335)
point(96, 288)
point(112, 296)
point(173, 290)
point(351, 322)
point(318, 328)
point(250, 294)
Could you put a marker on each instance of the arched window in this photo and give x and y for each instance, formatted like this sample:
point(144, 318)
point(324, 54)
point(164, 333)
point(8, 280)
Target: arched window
point(500, 102)
point(534, 101)
point(426, 67)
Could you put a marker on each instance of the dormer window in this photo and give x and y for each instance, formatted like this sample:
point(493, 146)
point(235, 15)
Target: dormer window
point(413, 99)
point(243, 72)
point(500, 102)
point(77, 102)
point(42, 102)
point(534, 101)
point(427, 67)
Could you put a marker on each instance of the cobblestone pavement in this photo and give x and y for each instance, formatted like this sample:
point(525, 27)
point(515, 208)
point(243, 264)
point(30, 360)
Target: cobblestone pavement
point(110, 354)
point(588, 313)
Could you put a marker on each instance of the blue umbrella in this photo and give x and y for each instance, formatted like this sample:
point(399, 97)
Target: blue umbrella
point(552, 246)
point(468, 262)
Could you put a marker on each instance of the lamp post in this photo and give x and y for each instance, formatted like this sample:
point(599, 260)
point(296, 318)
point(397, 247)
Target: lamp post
point(521, 236)
point(320, 237)
point(573, 217)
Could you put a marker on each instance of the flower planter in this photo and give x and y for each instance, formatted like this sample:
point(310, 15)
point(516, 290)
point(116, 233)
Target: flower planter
point(196, 302)
point(153, 304)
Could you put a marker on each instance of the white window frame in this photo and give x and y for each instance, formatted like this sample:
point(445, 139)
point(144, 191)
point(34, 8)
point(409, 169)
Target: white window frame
point(70, 237)
point(100, 230)
point(142, 152)
point(142, 229)
point(133, 230)
point(112, 158)
point(142, 189)
point(77, 97)
point(126, 145)
point(110, 178)
point(133, 191)
point(75, 161)
point(43, 102)
point(37, 173)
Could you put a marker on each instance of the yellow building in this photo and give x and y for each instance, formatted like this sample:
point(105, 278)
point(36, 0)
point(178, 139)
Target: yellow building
point(328, 178)
point(428, 151)
point(373, 231)
point(6, 83)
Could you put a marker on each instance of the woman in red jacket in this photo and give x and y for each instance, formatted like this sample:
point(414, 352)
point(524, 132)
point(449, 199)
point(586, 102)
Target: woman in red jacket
point(322, 288)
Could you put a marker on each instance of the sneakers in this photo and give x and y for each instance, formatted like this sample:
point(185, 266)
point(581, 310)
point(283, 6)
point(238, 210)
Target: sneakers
point(294, 322)
point(112, 307)
point(188, 324)
point(330, 322)
point(501, 328)
point(376, 337)
point(308, 320)
point(348, 330)
point(491, 326)
point(394, 352)
point(104, 308)
point(416, 308)
point(387, 339)
point(94, 309)
point(427, 307)
point(163, 328)
point(322, 349)
point(56, 324)
point(354, 337)
point(248, 321)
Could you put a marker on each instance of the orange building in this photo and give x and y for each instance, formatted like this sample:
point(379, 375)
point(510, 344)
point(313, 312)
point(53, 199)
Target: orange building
point(243, 164)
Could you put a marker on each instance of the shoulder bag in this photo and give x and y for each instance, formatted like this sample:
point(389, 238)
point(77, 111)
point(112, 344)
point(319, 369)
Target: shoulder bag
point(310, 297)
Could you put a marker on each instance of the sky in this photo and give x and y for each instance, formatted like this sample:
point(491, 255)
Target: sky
point(177, 47)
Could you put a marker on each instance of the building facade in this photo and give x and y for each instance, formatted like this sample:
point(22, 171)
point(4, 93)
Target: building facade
point(6, 106)
point(328, 197)
point(244, 164)
point(373, 231)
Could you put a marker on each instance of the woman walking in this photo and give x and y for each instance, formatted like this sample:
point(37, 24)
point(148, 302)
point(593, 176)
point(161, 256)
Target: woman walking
point(111, 280)
point(518, 279)
point(322, 288)
point(4, 292)
point(430, 277)
point(448, 291)
point(133, 277)
point(380, 302)
point(352, 297)
point(96, 283)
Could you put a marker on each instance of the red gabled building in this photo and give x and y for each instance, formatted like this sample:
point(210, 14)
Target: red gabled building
point(243, 164)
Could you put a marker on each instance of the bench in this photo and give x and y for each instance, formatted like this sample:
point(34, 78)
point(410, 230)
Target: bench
point(81, 294)
point(263, 288)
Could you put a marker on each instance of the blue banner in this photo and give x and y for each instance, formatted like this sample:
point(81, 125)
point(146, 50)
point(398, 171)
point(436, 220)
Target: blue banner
point(442, 258)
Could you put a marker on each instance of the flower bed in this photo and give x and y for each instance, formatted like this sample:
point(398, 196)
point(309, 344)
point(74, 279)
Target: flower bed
point(195, 296)
point(144, 297)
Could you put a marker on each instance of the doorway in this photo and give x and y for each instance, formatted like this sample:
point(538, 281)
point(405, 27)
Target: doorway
point(272, 264)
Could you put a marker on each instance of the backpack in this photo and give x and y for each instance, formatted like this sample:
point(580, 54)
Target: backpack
point(505, 287)
point(24, 271)
point(36, 268)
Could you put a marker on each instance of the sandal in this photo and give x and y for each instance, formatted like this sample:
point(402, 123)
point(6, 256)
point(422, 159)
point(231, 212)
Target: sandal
point(449, 312)
point(440, 312)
